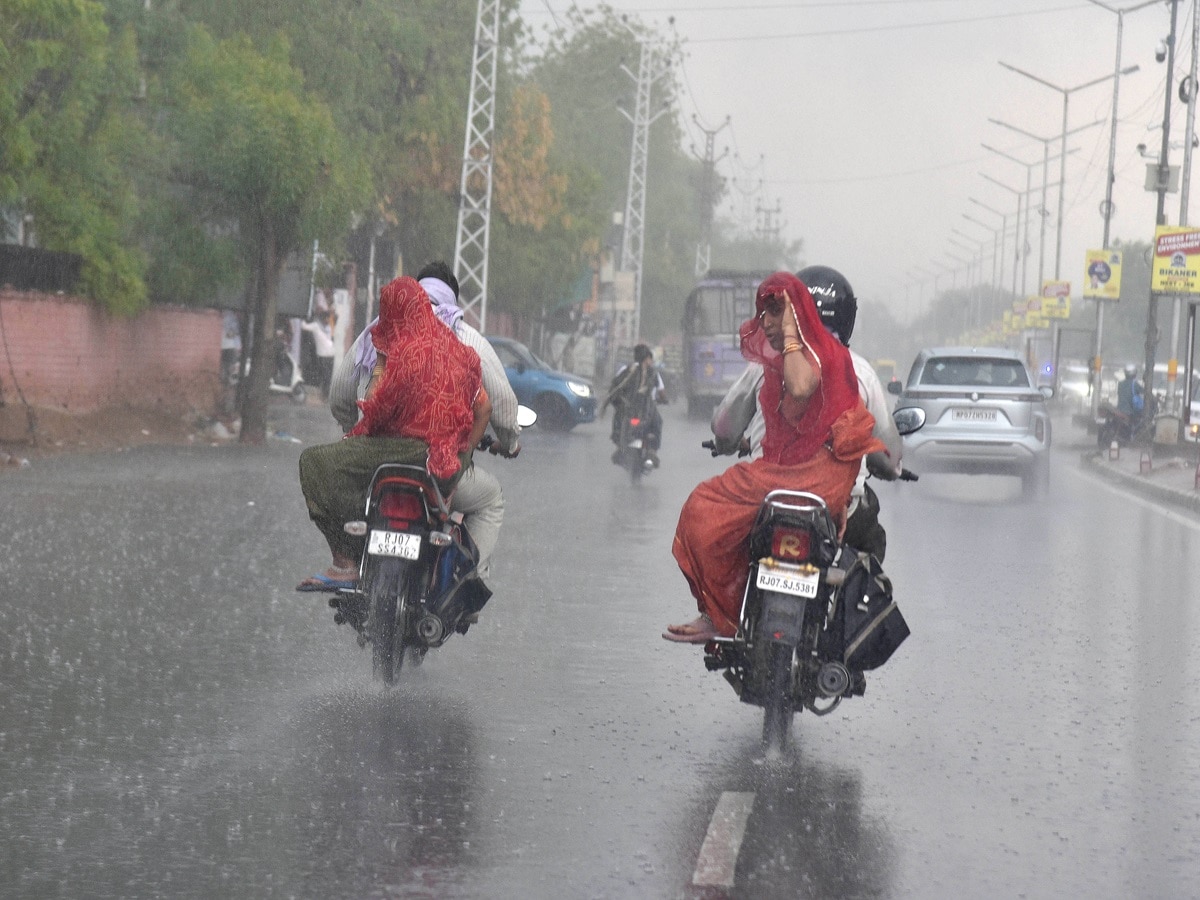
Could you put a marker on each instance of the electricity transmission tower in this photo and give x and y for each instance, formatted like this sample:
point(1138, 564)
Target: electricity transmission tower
point(651, 67)
point(708, 194)
point(475, 190)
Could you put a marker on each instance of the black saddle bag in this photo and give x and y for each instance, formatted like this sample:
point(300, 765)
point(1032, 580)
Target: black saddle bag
point(868, 626)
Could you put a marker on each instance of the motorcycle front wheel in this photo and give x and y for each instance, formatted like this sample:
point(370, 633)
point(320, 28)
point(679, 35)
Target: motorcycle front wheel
point(387, 595)
point(778, 705)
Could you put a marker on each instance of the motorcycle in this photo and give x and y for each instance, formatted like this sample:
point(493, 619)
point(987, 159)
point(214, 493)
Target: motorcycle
point(1114, 425)
point(816, 615)
point(633, 450)
point(418, 582)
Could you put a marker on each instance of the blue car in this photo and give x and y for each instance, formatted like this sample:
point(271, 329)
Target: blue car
point(560, 400)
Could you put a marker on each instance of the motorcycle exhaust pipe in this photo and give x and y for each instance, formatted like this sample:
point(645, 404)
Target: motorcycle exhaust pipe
point(430, 629)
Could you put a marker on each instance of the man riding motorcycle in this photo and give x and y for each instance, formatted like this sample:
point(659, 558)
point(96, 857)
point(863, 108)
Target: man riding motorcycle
point(638, 387)
point(737, 422)
point(478, 495)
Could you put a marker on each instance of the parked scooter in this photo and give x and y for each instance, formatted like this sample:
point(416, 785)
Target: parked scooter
point(286, 378)
point(418, 582)
point(816, 615)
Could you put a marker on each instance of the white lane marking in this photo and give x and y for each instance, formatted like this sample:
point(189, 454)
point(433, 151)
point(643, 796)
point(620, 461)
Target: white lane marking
point(719, 853)
point(1108, 484)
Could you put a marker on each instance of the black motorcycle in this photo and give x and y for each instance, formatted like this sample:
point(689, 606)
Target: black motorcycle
point(633, 446)
point(816, 615)
point(418, 582)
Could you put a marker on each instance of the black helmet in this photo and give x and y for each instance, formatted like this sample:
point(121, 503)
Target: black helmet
point(834, 297)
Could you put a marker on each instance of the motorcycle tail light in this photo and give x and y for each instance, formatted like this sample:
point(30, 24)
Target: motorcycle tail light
point(635, 422)
point(791, 544)
point(401, 505)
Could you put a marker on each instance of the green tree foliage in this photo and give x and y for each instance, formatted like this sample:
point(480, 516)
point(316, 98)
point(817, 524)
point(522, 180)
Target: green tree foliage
point(262, 157)
point(580, 71)
point(67, 90)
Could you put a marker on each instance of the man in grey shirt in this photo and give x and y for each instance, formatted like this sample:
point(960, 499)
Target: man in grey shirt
point(478, 496)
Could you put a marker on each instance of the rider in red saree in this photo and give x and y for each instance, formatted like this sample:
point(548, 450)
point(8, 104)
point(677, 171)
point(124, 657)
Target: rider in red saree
point(817, 431)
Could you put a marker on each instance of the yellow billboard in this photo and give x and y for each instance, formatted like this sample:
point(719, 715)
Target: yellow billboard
point(1102, 279)
point(1056, 300)
point(1176, 265)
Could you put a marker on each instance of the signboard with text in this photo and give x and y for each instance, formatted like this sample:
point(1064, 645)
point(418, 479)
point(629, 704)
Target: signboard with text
point(1056, 300)
point(1175, 268)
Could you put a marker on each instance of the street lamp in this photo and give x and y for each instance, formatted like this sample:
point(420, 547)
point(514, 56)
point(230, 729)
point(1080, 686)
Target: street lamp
point(1045, 141)
point(1062, 172)
point(1046, 159)
point(997, 259)
point(1003, 230)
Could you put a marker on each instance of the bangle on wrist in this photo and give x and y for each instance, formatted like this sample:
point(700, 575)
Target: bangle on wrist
point(791, 347)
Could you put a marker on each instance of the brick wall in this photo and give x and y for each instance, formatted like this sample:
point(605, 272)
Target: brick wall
point(65, 354)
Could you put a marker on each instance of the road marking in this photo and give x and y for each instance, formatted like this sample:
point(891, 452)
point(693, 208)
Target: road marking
point(719, 853)
point(1178, 518)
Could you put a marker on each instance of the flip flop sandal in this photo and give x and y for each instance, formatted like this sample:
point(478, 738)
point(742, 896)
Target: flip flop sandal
point(324, 584)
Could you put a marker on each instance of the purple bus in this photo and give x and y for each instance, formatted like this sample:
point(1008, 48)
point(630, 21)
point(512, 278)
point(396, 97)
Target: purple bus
point(712, 360)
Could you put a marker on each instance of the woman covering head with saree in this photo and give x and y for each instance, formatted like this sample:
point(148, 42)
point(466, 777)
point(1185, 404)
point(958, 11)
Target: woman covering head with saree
point(817, 431)
point(425, 405)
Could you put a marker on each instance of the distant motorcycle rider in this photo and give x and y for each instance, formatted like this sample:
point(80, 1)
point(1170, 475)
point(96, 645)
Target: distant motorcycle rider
point(738, 425)
point(638, 389)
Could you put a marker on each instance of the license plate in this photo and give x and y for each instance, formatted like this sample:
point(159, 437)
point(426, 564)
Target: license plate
point(394, 543)
point(974, 415)
point(786, 579)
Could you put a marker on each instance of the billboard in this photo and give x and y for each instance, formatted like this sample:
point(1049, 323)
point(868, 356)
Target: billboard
point(1102, 275)
point(1175, 268)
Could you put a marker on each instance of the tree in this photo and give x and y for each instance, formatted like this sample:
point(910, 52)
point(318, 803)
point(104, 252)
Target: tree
point(67, 92)
point(262, 158)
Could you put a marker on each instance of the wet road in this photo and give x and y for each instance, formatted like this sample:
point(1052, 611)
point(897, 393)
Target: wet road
point(176, 721)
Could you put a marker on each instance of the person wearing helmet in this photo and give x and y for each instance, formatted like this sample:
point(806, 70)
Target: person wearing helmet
point(1130, 399)
point(640, 384)
point(737, 422)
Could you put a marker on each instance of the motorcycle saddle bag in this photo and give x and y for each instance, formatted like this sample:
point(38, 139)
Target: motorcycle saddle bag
point(868, 624)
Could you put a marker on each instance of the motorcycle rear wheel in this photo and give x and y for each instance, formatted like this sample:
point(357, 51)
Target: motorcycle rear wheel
point(387, 595)
point(778, 705)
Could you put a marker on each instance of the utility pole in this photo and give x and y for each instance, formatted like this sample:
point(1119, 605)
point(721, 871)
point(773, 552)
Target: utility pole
point(1161, 185)
point(475, 189)
point(651, 67)
point(708, 196)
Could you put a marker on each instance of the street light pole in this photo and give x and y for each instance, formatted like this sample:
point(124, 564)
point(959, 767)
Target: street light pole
point(997, 252)
point(1107, 209)
point(1046, 158)
point(1062, 173)
point(1161, 216)
point(1003, 235)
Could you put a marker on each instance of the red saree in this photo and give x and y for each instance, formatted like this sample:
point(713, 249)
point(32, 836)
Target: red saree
point(817, 448)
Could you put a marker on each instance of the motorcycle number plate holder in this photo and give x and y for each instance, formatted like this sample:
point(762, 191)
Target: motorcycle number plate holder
point(787, 579)
point(394, 543)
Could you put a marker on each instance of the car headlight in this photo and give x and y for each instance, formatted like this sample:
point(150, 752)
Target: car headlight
point(579, 389)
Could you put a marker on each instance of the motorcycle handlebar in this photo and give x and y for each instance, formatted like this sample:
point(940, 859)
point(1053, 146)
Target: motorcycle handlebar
point(908, 475)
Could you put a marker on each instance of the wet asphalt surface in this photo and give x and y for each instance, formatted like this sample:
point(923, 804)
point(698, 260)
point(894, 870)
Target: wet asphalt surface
point(176, 721)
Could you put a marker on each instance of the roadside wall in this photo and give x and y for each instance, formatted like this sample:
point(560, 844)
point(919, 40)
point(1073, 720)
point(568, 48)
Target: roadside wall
point(63, 353)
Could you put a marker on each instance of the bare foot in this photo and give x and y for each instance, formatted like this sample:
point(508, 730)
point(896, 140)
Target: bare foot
point(699, 631)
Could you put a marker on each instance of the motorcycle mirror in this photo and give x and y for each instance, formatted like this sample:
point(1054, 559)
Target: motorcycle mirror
point(909, 419)
point(525, 416)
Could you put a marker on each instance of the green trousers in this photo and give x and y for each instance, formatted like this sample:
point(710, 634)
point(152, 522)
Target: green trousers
point(335, 477)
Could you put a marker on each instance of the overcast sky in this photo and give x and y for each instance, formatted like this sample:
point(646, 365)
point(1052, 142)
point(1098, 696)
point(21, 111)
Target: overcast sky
point(864, 121)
